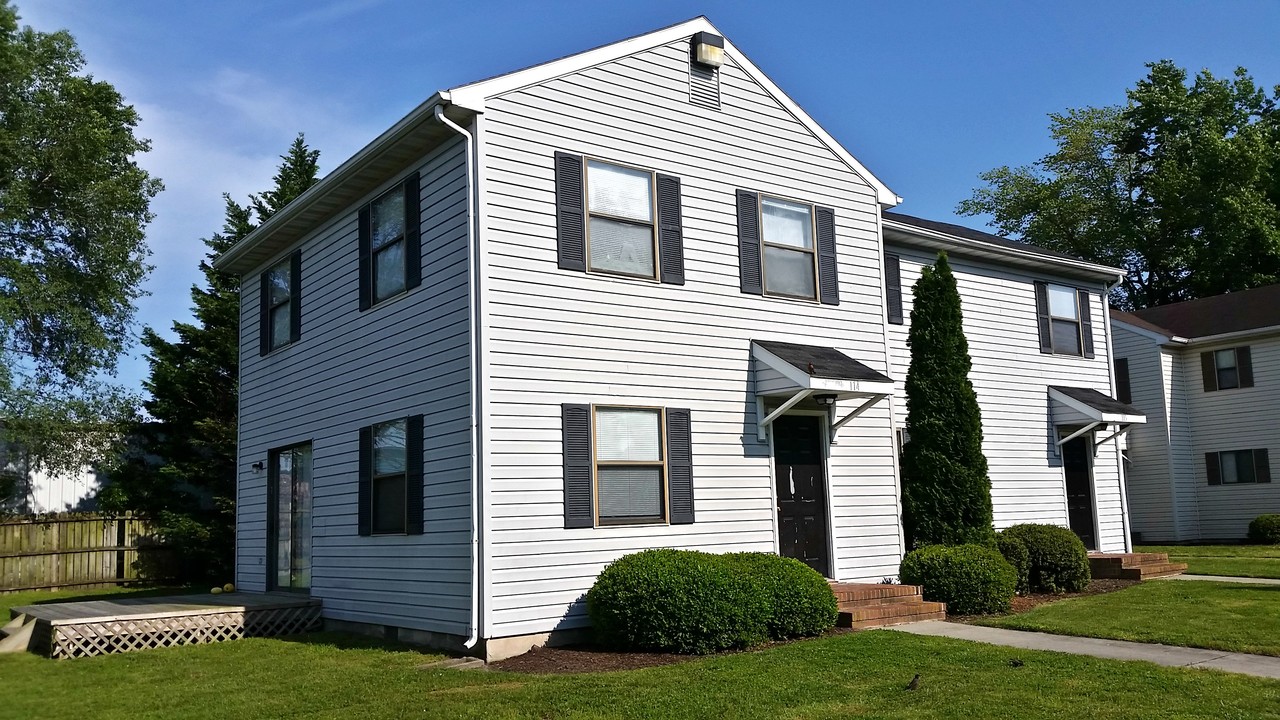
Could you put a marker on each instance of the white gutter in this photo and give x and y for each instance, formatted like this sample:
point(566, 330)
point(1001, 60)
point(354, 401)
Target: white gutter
point(1206, 339)
point(473, 274)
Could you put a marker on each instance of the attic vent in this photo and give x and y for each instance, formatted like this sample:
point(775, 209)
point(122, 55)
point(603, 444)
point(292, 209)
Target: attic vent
point(704, 86)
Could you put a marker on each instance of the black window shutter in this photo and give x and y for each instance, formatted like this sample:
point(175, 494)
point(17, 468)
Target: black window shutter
point(670, 230)
point(413, 232)
point(579, 507)
point(749, 275)
point(295, 296)
point(1086, 323)
point(1124, 393)
point(364, 486)
point(264, 312)
point(1208, 371)
point(366, 261)
point(893, 287)
point(1212, 469)
point(413, 475)
point(828, 269)
point(680, 466)
point(1261, 466)
point(1244, 366)
point(571, 218)
point(1042, 316)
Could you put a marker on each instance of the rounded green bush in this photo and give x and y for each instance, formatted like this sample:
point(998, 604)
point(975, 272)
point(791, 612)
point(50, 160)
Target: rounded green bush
point(677, 601)
point(1059, 561)
point(1265, 530)
point(1015, 553)
point(970, 579)
point(800, 599)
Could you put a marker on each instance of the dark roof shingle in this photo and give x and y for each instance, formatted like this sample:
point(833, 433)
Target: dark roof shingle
point(1231, 312)
point(822, 362)
point(1096, 400)
point(971, 234)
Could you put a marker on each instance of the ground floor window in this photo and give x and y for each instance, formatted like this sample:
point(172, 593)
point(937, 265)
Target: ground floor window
point(629, 465)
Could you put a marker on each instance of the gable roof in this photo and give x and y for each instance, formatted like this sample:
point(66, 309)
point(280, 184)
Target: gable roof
point(1232, 312)
point(1137, 322)
point(943, 235)
point(473, 95)
point(418, 132)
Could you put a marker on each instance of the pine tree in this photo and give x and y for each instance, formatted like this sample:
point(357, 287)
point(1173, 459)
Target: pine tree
point(946, 493)
point(190, 493)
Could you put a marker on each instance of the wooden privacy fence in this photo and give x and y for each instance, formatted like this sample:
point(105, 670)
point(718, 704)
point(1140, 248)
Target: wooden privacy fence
point(68, 550)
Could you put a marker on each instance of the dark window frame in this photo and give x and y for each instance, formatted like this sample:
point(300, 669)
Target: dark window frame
point(664, 499)
point(1234, 369)
point(375, 479)
point(813, 252)
point(588, 213)
point(273, 503)
point(285, 266)
point(375, 249)
point(1243, 458)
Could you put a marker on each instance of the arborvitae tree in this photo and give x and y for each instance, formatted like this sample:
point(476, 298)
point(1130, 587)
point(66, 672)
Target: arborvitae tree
point(181, 470)
point(946, 493)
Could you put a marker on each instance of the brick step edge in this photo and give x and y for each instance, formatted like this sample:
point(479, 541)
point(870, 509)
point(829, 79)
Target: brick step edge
point(892, 611)
point(862, 602)
point(1150, 571)
point(885, 622)
point(854, 591)
point(1132, 560)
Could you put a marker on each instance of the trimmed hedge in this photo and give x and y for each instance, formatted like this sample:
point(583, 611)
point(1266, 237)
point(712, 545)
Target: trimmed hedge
point(801, 601)
point(1058, 560)
point(687, 601)
point(1015, 553)
point(1265, 530)
point(970, 579)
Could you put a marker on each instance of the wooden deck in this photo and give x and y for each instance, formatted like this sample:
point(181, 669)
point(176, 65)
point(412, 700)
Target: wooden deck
point(99, 627)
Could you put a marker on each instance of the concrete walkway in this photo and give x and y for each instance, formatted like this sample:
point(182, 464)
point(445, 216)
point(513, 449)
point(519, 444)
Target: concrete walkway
point(1223, 578)
point(1168, 655)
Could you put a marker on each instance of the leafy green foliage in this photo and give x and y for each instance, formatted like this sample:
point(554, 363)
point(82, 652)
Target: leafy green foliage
point(800, 599)
point(73, 208)
point(1265, 530)
point(1180, 187)
point(1059, 562)
point(181, 469)
point(1016, 554)
point(970, 579)
point(680, 601)
point(946, 493)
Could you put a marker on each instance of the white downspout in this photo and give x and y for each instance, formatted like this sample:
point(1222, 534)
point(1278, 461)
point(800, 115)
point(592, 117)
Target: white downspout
point(1111, 374)
point(474, 350)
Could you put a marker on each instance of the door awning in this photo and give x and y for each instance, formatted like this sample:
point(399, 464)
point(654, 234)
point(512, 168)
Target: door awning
point(802, 371)
point(1077, 404)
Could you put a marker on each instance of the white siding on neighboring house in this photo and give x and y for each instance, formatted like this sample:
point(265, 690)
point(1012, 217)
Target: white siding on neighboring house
point(42, 491)
point(1011, 377)
point(1151, 506)
point(570, 337)
point(1235, 419)
point(351, 369)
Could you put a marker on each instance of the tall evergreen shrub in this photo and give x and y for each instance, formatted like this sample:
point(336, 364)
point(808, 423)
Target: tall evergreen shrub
point(946, 493)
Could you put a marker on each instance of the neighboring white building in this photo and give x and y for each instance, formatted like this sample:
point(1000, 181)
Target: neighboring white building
point(1207, 374)
point(621, 300)
point(37, 490)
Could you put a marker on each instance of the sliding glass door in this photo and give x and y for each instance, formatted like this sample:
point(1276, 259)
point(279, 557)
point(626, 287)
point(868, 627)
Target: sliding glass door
point(291, 518)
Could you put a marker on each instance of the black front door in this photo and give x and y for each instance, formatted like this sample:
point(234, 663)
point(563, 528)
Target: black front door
point(800, 475)
point(1075, 465)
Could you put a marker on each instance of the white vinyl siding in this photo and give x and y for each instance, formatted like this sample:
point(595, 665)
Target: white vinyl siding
point(409, 355)
point(1011, 377)
point(558, 336)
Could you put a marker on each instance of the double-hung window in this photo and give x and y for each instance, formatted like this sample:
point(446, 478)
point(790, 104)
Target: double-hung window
point(1236, 467)
point(787, 248)
point(630, 465)
point(280, 298)
point(621, 237)
point(1064, 320)
point(1227, 369)
point(391, 477)
point(386, 230)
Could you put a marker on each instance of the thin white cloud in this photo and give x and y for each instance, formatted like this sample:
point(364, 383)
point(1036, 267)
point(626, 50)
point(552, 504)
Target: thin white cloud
point(329, 12)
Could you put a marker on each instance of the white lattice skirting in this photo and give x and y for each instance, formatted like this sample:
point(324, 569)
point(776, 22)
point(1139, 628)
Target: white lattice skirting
point(143, 633)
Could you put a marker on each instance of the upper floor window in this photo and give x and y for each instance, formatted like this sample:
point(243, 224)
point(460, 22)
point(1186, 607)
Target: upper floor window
point(1227, 368)
point(621, 237)
point(390, 243)
point(280, 291)
point(616, 219)
point(787, 248)
point(1064, 318)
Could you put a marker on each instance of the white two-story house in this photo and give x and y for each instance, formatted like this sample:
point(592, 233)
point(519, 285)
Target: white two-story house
point(630, 298)
point(1207, 374)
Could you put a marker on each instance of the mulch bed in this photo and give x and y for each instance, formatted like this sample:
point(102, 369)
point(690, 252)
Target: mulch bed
point(1023, 603)
point(584, 659)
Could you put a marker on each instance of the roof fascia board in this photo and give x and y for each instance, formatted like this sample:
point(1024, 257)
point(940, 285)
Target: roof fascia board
point(338, 176)
point(1222, 337)
point(991, 250)
point(474, 96)
point(1160, 338)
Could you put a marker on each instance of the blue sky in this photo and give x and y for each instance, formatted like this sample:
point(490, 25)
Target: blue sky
point(926, 94)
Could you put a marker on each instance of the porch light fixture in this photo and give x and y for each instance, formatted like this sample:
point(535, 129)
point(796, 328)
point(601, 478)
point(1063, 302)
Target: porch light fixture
point(825, 400)
point(708, 49)
point(259, 466)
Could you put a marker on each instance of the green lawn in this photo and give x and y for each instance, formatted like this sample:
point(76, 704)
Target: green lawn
point(1219, 616)
point(856, 675)
point(1260, 561)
